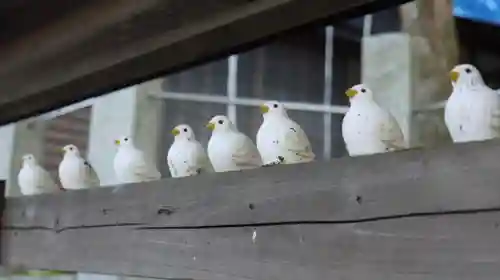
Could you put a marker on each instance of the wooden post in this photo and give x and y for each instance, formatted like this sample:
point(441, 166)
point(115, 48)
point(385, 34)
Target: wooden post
point(408, 70)
point(431, 26)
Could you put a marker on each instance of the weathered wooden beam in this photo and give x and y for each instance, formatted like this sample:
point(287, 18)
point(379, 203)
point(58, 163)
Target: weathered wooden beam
point(415, 214)
point(2, 207)
point(110, 44)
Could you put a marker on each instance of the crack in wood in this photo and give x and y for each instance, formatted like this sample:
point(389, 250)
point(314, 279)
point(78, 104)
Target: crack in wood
point(145, 226)
point(58, 230)
point(333, 222)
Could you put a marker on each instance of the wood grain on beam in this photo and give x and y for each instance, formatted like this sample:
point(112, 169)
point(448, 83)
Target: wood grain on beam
point(416, 214)
point(106, 45)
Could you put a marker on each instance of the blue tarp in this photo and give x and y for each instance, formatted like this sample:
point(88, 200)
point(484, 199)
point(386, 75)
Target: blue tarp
point(480, 10)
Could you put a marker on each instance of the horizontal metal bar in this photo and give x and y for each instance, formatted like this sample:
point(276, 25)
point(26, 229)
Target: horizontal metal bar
point(206, 98)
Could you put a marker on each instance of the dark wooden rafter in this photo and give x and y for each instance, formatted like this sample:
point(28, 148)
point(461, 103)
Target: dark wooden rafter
point(406, 215)
point(71, 53)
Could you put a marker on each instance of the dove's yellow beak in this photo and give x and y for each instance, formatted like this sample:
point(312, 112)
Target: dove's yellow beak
point(264, 109)
point(175, 132)
point(63, 150)
point(117, 142)
point(454, 76)
point(211, 126)
point(351, 93)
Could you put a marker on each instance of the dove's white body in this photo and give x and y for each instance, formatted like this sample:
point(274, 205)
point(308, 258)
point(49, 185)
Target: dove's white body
point(33, 179)
point(279, 136)
point(186, 158)
point(131, 166)
point(472, 113)
point(369, 129)
point(231, 151)
point(75, 173)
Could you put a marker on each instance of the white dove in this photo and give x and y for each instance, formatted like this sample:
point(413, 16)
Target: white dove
point(186, 156)
point(472, 110)
point(34, 179)
point(367, 128)
point(280, 139)
point(131, 165)
point(75, 172)
point(229, 149)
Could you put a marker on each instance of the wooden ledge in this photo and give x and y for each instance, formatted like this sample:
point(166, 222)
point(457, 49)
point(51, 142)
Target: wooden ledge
point(430, 213)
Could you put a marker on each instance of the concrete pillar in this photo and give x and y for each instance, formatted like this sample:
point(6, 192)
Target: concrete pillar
point(129, 111)
point(387, 70)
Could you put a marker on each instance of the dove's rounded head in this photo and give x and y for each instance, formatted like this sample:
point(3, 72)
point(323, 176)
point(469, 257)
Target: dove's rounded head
point(71, 149)
point(124, 141)
point(465, 74)
point(29, 159)
point(183, 131)
point(359, 91)
point(273, 108)
point(220, 123)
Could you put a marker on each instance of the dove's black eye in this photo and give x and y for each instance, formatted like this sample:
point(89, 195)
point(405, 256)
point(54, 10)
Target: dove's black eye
point(185, 130)
point(71, 148)
point(363, 90)
point(467, 70)
point(126, 139)
point(275, 105)
point(221, 122)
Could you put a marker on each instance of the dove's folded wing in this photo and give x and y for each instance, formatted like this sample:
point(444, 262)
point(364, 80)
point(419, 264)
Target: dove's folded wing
point(295, 140)
point(246, 154)
point(172, 168)
point(391, 134)
point(91, 175)
point(193, 164)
